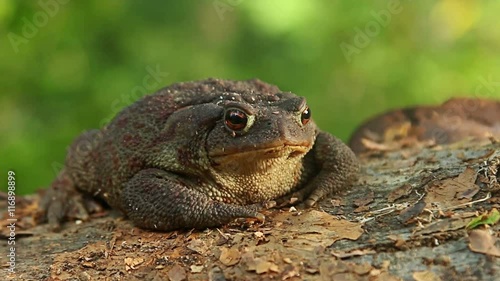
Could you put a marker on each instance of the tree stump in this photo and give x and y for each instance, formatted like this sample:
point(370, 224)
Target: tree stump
point(420, 210)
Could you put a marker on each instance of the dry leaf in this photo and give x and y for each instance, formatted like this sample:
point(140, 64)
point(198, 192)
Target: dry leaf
point(361, 209)
point(449, 192)
point(362, 269)
point(425, 276)
point(365, 200)
point(132, 263)
point(399, 192)
point(314, 228)
point(469, 193)
point(177, 273)
point(258, 234)
point(229, 256)
point(443, 226)
point(289, 272)
point(262, 266)
point(411, 212)
point(386, 276)
point(197, 245)
point(481, 241)
point(88, 264)
point(344, 255)
point(196, 268)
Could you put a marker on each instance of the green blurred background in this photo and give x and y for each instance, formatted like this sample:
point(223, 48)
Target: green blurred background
point(68, 66)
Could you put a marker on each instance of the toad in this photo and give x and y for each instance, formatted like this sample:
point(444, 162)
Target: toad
point(200, 154)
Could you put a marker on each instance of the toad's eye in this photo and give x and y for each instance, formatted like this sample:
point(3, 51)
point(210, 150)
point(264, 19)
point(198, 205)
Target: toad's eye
point(236, 119)
point(305, 116)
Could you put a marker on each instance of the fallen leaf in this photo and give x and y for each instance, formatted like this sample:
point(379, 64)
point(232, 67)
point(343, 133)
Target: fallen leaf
point(311, 270)
point(196, 268)
point(399, 192)
point(177, 273)
point(385, 264)
point(229, 256)
point(361, 209)
point(88, 264)
point(399, 242)
point(345, 255)
point(481, 241)
point(425, 276)
point(469, 193)
point(491, 218)
point(197, 245)
point(375, 272)
point(362, 269)
point(365, 200)
point(386, 276)
point(260, 237)
point(132, 263)
point(314, 228)
point(487, 154)
point(289, 272)
point(258, 234)
point(448, 192)
point(463, 215)
point(411, 211)
point(262, 266)
point(443, 226)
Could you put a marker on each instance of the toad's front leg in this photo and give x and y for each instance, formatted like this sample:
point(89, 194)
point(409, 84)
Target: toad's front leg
point(160, 200)
point(335, 165)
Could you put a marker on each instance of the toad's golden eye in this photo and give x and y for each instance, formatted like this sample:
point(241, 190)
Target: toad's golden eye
point(236, 119)
point(305, 116)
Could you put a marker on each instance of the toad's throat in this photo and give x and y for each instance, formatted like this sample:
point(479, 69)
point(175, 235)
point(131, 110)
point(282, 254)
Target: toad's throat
point(257, 175)
point(284, 152)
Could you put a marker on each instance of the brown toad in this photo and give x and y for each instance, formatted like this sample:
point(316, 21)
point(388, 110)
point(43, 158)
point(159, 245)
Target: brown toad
point(199, 154)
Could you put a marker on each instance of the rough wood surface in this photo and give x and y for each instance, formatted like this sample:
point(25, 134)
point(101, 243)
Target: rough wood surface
point(382, 229)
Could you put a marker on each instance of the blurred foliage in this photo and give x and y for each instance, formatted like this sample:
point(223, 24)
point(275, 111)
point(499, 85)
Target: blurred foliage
point(69, 65)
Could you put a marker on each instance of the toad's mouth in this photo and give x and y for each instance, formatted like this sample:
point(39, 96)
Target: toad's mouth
point(254, 153)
